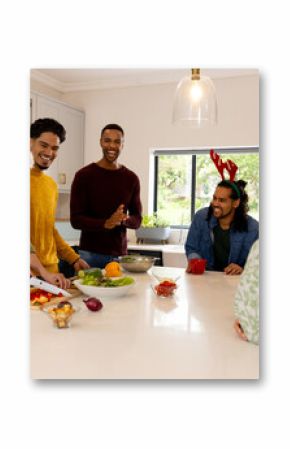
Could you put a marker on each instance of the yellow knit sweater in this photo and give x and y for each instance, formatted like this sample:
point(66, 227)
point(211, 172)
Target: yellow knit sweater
point(49, 245)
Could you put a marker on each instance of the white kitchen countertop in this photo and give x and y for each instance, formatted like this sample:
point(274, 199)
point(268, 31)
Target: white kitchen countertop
point(173, 255)
point(73, 242)
point(141, 336)
point(170, 248)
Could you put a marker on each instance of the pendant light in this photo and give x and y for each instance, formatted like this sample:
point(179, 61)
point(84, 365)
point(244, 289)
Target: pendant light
point(195, 102)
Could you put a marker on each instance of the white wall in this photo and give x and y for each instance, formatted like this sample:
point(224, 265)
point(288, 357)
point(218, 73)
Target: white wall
point(145, 114)
point(45, 90)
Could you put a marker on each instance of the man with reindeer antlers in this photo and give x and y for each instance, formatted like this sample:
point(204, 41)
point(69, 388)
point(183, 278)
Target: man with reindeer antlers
point(223, 233)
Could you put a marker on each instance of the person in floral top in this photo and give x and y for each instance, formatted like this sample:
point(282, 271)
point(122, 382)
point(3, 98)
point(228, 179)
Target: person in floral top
point(246, 305)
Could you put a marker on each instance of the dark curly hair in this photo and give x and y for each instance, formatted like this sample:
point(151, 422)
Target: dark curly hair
point(240, 222)
point(47, 125)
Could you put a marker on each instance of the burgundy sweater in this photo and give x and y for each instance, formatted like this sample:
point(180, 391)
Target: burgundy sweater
point(96, 193)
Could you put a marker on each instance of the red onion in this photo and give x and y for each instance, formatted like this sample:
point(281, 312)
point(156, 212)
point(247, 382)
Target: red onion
point(93, 304)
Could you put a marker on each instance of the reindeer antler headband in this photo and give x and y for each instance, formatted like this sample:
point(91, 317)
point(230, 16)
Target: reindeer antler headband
point(229, 165)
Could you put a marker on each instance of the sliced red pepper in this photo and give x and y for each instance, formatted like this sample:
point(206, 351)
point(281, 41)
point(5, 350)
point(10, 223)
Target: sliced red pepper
point(37, 293)
point(168, 284)
point(164, 290)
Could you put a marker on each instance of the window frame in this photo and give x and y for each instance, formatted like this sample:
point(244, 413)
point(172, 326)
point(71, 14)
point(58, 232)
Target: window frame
point(194, 152)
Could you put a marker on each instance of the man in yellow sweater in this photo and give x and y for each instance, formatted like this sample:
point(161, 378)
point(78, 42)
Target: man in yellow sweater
point(46, 135)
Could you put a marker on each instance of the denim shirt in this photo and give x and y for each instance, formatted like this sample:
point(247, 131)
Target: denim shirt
point(199, 242)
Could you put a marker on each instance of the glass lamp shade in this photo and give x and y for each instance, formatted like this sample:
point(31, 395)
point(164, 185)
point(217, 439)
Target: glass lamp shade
point(195, 102)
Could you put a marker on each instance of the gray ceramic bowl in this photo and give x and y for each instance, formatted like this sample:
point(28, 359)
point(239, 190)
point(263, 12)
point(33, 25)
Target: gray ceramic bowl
point(137, 263)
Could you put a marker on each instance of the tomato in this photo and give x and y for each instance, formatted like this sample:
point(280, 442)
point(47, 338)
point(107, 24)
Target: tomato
point(165, 288)
point(168, 284)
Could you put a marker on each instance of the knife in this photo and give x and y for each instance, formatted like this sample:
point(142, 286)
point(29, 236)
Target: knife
point(36, 282)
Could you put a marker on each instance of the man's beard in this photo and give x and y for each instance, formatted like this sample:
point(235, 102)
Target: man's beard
point(40, 166)
point(211, 213)
point(110, 159)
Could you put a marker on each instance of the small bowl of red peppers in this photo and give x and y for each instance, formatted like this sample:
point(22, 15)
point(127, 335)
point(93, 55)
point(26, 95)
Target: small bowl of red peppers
point(165, 289)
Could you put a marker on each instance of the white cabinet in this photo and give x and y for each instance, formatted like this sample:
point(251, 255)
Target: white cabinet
point(70, 156)
point(172, 255)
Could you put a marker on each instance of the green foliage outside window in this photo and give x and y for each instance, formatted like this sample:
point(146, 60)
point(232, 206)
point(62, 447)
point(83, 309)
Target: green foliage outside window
point(174, 184)
point(154, 221)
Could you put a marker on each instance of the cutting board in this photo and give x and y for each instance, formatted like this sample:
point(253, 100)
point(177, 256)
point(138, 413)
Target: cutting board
point(55, 299)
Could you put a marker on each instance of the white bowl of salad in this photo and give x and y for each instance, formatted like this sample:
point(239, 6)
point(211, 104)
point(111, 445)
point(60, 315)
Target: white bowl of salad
point(93, 283)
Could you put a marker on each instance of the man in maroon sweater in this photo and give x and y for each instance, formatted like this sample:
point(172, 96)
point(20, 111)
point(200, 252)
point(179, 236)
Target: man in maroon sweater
point(105, 201)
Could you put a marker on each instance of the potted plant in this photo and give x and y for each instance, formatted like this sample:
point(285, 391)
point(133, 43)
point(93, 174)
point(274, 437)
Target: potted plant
point(153, 228)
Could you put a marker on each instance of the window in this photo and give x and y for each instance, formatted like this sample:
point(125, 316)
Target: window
point(186, 179)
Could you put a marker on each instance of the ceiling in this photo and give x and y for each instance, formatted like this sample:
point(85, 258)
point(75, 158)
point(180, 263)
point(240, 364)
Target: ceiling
point(67, 80)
